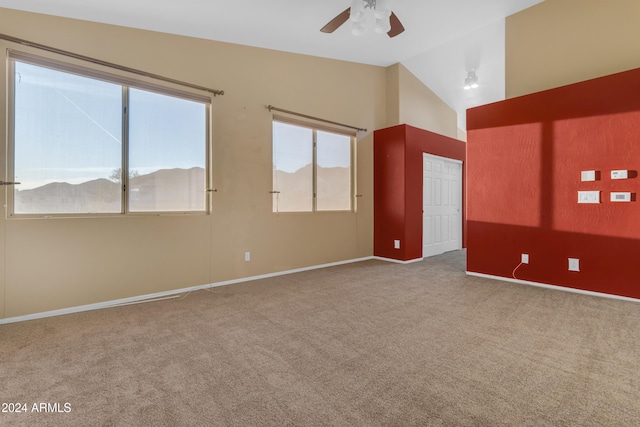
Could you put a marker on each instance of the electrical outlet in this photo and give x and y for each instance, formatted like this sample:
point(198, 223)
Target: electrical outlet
point(524, 258)
point(247, 256)
point(574, 264)
point(396, 244)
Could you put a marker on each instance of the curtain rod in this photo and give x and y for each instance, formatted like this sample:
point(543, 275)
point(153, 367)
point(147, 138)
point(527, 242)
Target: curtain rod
point(272, 108)
point(23, 42)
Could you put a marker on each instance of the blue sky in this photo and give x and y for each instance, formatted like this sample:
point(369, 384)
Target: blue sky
point(293, 148)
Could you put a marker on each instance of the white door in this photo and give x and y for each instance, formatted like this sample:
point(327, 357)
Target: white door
point(441, 205)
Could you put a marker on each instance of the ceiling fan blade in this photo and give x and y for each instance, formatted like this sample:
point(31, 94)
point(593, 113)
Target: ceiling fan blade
point(396, 26)
point(336, 22)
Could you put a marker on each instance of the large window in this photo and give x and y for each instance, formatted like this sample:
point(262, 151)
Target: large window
point(83, 142)
point(312, 169)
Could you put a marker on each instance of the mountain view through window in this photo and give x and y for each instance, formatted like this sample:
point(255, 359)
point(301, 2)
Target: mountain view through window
point(73, 135)
point(311, 169)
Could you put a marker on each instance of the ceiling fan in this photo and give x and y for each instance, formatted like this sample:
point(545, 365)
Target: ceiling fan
point(386, 20)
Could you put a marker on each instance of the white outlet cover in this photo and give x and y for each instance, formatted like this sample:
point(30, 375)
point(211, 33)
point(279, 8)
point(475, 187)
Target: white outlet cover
point(396, 244)
point(574, 264)
point(524, 258)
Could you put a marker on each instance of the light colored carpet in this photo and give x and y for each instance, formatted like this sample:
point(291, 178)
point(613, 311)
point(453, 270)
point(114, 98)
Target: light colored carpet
point(365, 344)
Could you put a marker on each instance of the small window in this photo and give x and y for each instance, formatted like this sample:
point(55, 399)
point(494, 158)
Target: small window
point(311, 169)
point(86, 143)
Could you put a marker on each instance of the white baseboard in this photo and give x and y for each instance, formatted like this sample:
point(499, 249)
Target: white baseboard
point(175, 293)
point(397, 261)
point(555, 287)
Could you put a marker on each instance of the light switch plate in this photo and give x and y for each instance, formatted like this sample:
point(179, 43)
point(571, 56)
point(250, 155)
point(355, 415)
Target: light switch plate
point(588, 175)
point(588, 197)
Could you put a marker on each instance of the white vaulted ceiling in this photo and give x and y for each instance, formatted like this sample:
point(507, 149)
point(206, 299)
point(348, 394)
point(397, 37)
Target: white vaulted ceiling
point(442, 41)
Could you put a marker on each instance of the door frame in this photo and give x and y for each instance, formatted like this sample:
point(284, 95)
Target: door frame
point(460, 197)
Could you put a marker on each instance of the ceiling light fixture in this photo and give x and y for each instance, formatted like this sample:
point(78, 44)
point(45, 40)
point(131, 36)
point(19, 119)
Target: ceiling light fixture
point(471, 82)
point(381, 12)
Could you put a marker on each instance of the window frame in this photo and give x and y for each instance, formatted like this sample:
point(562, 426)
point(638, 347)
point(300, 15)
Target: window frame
point(315, 127)
point(126, 81)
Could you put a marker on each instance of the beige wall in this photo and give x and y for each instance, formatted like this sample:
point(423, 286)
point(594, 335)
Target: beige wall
point(59, 263)
point(411, 102)
point(462, 135)
point(559, 42)
point(393, 95)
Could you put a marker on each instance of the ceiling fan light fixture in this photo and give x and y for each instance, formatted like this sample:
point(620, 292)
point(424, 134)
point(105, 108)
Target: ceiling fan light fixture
point(382, 9)
point(383, 25)
point(357, 13)
point(359, 28)
point(364, 13)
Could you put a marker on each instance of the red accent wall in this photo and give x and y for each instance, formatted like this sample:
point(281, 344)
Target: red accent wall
point(397, 172)
point(525, 156)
